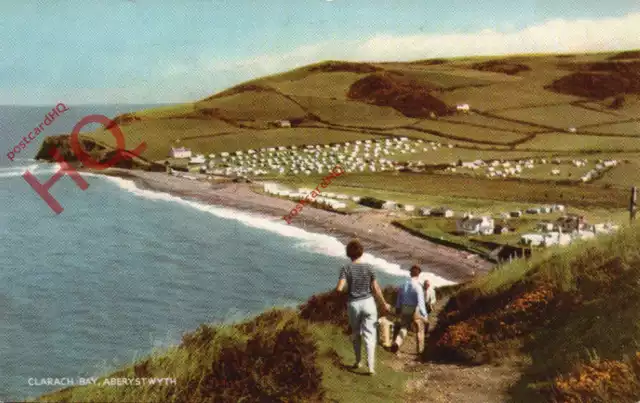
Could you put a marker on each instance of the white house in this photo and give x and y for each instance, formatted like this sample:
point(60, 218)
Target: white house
point(180, 152)
point(463, 108)
point(480, 225)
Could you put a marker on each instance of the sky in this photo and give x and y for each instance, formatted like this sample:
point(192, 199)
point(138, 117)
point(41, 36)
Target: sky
point(157, 51)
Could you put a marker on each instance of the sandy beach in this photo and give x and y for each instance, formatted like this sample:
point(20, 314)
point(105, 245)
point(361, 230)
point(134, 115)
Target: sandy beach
point(374, 228)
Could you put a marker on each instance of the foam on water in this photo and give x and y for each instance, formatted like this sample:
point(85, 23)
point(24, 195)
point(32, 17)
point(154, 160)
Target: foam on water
point(11, 172)
point(319, 243)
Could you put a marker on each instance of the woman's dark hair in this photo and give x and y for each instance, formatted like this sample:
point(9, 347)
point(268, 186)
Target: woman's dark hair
point(354, 249)
point(415, 270)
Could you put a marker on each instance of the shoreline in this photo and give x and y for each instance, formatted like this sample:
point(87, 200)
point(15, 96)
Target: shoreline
point(374, 228)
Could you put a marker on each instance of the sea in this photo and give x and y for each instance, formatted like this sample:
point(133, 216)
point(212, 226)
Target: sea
point(123, 272)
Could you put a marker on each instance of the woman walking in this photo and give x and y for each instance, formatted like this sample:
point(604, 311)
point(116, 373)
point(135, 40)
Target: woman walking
point(363, 314)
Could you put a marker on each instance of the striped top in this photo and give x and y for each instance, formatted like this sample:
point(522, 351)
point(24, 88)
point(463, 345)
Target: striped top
point(359, 277)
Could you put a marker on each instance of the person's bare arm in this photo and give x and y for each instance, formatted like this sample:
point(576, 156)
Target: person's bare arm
point(378, 293)
point(340, 286)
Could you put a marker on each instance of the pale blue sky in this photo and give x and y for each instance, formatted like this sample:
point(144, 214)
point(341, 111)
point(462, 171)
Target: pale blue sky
point(148, 51)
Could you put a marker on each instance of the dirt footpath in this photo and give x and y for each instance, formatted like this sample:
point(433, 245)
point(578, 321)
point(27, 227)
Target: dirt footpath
point(452, 383)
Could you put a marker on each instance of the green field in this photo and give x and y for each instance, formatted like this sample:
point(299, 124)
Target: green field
point(251, 105)
point(626, 128)
point(352, 113)
point(446, 77)
point(626, 175)
point(169, 111)
point(315, 85)
point(472, 134)
point(576, 142)
point(491, 122)
point(503, 95)
point(559, 116)
point(161, 135)
point(459, 186)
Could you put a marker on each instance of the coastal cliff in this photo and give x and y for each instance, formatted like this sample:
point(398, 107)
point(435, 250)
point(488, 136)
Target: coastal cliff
point(98, 153)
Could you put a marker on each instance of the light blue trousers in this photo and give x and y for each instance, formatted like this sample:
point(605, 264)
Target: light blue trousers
point(363, 316)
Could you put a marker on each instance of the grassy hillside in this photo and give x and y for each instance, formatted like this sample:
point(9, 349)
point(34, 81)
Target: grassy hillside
point(281, 355)
point(574, 315)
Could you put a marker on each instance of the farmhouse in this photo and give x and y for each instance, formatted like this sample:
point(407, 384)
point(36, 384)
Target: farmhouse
point(463, 108)
point(480, 225)
point(180, 152)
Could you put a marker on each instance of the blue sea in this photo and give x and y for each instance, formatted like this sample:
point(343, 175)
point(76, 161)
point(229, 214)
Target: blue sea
point(123, 271)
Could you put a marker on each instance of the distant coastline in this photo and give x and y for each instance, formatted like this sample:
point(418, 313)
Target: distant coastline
point(374, 228)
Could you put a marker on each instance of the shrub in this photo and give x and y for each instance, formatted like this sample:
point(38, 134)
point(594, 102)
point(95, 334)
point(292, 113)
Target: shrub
point(606, 381)
point(501, 66)
point(335, 66)
point(276, 362)
point(408, 97)
point(600, 80)
point(629, 54)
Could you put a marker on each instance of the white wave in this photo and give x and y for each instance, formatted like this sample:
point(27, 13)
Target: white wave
point(33, 168)
point(319, 243)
